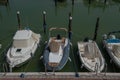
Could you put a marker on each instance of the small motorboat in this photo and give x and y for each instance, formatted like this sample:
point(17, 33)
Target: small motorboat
point(91, 56)
point(24, 45)
point(57, 50)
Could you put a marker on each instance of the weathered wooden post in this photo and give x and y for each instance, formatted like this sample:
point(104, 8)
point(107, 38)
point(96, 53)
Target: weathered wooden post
point(89, 2)
point(18, 17)
point(44, 21)
point(105, 1)
point(72, 2)
point(69, 27)
point(96, 29)
point(55, 2)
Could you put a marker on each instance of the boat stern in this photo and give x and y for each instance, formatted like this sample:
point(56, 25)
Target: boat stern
point(53, 64)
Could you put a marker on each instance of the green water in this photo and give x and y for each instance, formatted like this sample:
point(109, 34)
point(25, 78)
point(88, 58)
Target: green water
point(83, 24)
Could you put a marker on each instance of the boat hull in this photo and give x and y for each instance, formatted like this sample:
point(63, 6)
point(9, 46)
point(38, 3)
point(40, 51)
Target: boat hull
point(17, 56)
point(88, 67)
point(25, 60)
point(62, 62)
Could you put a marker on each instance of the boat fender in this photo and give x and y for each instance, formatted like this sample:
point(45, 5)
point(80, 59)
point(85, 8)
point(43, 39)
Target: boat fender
point(70, 43)
point(76, 74)
point(41, 57)
point(82, 66)
point(22, 75)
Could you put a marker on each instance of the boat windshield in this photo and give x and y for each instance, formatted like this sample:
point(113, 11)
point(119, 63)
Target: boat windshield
point(22, 43)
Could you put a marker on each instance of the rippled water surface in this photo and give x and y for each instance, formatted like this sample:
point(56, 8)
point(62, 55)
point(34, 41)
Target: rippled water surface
point(83, 24)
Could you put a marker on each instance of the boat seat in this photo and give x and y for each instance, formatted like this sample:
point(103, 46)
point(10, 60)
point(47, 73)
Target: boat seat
point(56, 43)
point(54, 46)
point(90, 51)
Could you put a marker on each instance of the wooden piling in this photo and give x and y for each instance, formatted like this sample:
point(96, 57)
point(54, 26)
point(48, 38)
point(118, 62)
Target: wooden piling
point(72, 2)
point(69, 26)
point(96, 29)
point(44, 21)
point(18, 18)
point(105, 1)
point(55, 2)
point(70, 21)
point(89, 2)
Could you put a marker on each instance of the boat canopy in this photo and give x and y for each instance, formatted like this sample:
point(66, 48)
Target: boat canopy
point(22, 34)
point(23, 38)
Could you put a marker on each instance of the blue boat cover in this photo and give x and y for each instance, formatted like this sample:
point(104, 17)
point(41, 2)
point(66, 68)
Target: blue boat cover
point(113, 41)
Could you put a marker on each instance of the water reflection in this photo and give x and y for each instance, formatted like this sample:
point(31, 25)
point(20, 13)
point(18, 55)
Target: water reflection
point(61, 0)
point(62, 4)
point(4, 3)
point(103, 4)
point(59, 4)
point(116, 1)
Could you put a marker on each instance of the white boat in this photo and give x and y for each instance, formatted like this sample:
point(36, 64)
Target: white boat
point(91, 56)
point(57, 50)
point(112, 46)
point(25, 43)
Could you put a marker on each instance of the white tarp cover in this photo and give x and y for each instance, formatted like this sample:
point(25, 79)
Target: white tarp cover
point(22, 34)
point(23, 38)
